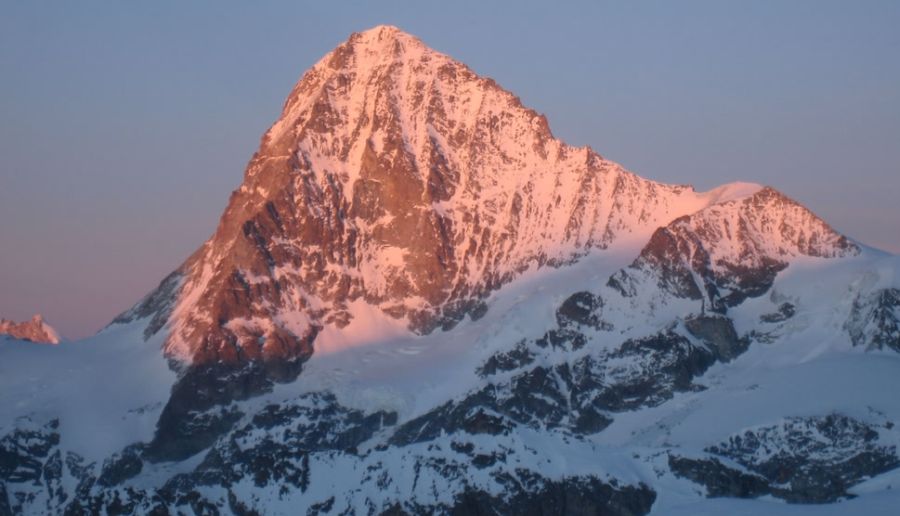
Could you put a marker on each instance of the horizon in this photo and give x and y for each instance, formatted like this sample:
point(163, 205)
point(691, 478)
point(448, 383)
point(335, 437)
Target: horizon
point(104, 194)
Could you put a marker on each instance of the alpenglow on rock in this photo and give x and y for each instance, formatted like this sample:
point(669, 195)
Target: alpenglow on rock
point(395, 178)
point(34, 330)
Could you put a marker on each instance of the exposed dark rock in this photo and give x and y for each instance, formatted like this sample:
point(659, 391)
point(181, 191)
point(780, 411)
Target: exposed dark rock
point(274, 446)
point(514, 359)
point(464, 448)
point(785, 312)
point(571, 496)
point(158, 304)
point(24, 451)
point(875, 320)
point(717, 331)
point(661, 256)
point(5, 509)
point(562, 338)
point(469, 414)
point(30, 462)
point(582, 308)
point(719, 479)
point(580, 398)
point(803, 460)
point(662, 364)
point(321, 507)
point(197, 411)
point(480, 422)
point(121, 466)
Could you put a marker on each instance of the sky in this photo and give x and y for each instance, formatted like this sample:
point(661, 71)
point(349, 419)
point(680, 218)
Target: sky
point(124, 126)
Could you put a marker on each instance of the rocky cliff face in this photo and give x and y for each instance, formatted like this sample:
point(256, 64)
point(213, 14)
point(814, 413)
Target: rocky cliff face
point(875, 320)
point(34, 330)
point(729, 251)
point(399, 178)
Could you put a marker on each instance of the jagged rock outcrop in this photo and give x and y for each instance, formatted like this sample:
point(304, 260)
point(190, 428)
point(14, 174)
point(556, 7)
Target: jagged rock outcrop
point(31, 468)
point(283, 454)
point(528, 387)
point(719, 333)
point(803, 459)
point(875, 320)
point(727, 252)
point(34, 330)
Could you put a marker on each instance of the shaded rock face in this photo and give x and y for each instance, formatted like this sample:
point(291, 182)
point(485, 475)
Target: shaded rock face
point(273, 448)
point(32, 468)
point(719, 479)
point(284, 451)
point(157, 305)
point(718, 331)
point(577, 496)
point(582, 308)
point(785, 312)
point(199, 408)
point(121, 466)
point(805, 460)
point(581, 397)
point(729, 252)
point(875, 320)
point(34, 330)
point(5, 509)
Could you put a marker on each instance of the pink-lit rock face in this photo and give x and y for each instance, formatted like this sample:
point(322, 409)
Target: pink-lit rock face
point(398, 178)
point(34, 330)
point(731, 250)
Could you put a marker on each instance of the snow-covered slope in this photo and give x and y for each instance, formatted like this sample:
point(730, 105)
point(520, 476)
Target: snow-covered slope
point(418, 301)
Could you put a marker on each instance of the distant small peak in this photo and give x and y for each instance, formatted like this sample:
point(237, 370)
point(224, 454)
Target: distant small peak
point(35, 330)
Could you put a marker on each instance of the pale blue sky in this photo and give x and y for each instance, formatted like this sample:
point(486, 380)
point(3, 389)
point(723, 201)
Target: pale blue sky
point(124, 126)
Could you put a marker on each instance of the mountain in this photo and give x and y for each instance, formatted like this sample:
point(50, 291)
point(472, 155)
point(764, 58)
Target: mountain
point(397, 178)
point(419, 301)
point(35, 330)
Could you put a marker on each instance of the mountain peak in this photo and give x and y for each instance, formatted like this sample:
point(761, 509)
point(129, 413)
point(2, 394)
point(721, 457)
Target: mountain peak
point(380, 33)
point(34, 330)
point(378, 43)
point(396, 180)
